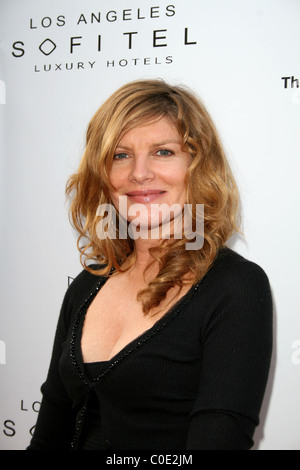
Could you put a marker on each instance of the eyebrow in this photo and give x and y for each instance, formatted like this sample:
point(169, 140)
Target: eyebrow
point(158, 144)
point(178, 142)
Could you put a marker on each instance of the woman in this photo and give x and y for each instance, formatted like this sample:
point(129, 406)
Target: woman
point(160, 344)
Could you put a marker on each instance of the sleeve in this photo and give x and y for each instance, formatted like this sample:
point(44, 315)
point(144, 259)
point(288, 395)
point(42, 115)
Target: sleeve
point(55, 423)
point(237, 349)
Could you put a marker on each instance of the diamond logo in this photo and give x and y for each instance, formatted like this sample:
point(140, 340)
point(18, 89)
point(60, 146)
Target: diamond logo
point(47, 47)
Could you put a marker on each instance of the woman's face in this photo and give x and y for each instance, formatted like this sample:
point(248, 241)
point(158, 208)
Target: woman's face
point(149, 169)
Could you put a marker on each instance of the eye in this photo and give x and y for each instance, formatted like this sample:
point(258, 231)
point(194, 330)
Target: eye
point(165, 152)
point(120, 156)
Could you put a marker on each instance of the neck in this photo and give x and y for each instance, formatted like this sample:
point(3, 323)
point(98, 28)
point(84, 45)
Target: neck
point(151, 239)
point(143, 256)
point(142, 259)
point(145, 242)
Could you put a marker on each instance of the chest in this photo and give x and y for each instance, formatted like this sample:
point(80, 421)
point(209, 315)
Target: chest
point(115, 318)
point(168, 353)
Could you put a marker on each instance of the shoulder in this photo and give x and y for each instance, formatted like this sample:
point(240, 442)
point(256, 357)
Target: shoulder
point(81, 287)
point(85, 279)
point(232, 269)
point(235, 296)
point(237, 288)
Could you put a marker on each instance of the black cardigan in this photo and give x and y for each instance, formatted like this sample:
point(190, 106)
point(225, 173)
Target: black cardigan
point(195, 380)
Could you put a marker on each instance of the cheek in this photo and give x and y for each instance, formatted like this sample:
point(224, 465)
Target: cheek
point(178, 179)
point(113, 178)
point(117, 178)
point(174, 175)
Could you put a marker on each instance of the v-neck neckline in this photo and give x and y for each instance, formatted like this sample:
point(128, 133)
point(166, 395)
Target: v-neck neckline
point(108, 365)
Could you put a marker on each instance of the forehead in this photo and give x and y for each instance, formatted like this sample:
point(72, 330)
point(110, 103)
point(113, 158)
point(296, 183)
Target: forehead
point(158, 130)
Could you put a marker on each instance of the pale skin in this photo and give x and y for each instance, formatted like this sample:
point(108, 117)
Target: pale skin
point(149, 167)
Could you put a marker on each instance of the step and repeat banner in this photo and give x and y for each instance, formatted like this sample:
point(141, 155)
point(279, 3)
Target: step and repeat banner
point(60, 60)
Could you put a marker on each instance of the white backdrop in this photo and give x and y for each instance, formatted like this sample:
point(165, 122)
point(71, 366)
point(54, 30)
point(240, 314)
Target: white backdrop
point(59, 60)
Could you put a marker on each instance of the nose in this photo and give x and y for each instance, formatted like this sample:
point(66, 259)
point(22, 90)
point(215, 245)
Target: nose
point(142, 170)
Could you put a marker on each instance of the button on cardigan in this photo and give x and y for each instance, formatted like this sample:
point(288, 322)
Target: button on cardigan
point(195, 380)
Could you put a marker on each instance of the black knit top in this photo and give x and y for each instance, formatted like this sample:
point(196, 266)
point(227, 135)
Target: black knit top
point(195, 380)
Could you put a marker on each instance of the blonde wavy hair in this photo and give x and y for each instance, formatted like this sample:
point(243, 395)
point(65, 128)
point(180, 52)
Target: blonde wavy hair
point(209, 182)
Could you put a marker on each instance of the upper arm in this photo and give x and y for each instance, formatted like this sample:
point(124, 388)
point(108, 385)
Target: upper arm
point(237, 346)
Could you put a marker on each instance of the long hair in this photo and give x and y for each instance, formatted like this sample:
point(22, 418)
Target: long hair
point(209, 182)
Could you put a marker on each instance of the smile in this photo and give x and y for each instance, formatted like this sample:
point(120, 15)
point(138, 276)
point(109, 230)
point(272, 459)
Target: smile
point(144, 196)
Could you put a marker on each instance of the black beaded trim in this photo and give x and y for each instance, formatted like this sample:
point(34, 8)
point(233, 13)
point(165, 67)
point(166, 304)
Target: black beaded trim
point(81, 311)
point(79, 424)
point(165, 320)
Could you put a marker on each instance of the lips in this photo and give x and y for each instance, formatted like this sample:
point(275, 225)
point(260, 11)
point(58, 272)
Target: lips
point(145, 195)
